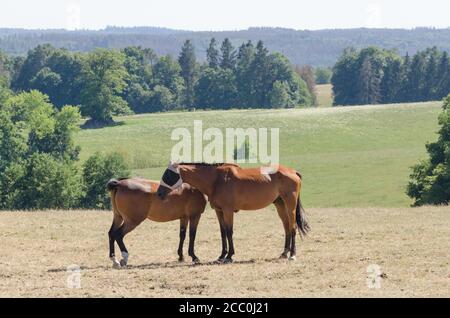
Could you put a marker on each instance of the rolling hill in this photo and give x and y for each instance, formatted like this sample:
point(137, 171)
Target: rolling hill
point(349, 156)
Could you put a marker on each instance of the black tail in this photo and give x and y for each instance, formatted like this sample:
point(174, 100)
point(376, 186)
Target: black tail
point(112, 184)
point(300, 216)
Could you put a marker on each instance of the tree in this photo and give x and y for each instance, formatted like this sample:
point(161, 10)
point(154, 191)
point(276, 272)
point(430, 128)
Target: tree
point(38, 171)
point(216, 88)
point(369, 83)
point(212, 54)
point(243, 73)
point(323, 75)
point(13, 148)
point(443, 86)
point(431, 76)
point(228, 55)
point(163, 99)
point(307, 73)
point(391, 83)
point(167, 73)
point(279, 95)
point(430, 179)
point(104, 81)
point(344, 78)
point(188, 66)
point(35, 61)
point(97, 171)
point(260, 82)
point(48, 183)
point(59, 143)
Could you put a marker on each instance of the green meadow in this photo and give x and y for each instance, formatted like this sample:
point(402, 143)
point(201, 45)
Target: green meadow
point(348, 156)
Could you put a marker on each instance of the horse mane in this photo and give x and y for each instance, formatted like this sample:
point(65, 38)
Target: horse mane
point(205, 164)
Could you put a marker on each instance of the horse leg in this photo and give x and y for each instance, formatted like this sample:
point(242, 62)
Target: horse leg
point(228, 218)
point(281, 209)
point(183, 226)
point(117, 221)
point(193, 223)
point(290, 201)
point(223, 235)
point(119, 234)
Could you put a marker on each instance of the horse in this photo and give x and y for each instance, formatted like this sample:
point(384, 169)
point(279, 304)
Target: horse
point(231, 188)
point(134, 200)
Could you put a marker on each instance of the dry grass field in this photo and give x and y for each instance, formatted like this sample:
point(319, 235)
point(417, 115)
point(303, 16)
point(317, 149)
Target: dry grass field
point(411, 246)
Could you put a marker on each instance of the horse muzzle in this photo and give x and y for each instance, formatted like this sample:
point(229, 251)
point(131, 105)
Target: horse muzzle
point(163, 192)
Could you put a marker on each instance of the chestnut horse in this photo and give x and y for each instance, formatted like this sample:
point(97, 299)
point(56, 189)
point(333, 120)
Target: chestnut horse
point(231, 188)
point(135, 200)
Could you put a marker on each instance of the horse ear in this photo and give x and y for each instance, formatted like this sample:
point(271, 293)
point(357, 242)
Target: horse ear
point(174, 163)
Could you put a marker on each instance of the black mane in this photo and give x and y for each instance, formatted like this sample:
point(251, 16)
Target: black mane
point(204, 164)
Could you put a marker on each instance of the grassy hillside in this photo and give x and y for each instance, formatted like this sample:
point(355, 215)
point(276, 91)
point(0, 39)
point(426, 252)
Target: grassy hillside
point(349, 156)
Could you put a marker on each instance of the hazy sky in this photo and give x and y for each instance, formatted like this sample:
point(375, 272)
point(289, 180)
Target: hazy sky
point(224, 14)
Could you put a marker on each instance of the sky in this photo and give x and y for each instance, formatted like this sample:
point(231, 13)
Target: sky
point(215, 15)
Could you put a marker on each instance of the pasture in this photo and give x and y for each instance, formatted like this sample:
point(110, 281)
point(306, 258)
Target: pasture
point(324, 95)
point(355, 164)
point(409, 245)
point(349, 156)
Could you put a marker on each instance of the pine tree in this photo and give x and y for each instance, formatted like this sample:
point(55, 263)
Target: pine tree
point(391, 81)
point(243, 73)
point(431, 76)
point(228, 58)
point(187, 62)
point(443, 86)
point(416, 79)
point(369, 83)
point(212, 54)
point(258, 69)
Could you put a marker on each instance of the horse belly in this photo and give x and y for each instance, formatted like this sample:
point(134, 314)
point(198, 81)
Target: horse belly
point(255, 198)
point(165, 212)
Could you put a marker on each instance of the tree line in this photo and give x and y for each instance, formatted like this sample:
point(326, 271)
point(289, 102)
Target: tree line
point(377, 76)
point(302, 47)
point(104, 83)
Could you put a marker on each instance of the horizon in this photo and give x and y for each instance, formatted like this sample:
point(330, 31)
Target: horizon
point(225, 30)
point(234, 15)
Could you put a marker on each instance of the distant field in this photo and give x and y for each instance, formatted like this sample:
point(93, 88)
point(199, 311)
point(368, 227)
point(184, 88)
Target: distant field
point(324, 95)
point(349, 156)
point(410, 246)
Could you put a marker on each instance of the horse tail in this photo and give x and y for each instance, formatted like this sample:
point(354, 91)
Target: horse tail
point(300, 215)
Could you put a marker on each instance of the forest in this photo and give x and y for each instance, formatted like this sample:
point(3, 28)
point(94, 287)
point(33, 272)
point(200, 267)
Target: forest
point(104, 82)
point(320, 48)
point(376, 76)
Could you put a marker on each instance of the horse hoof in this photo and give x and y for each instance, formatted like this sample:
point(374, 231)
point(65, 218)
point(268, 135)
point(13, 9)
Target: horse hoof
point(181, 259)
point(123, 263)
point(293, 258)
point(227, 261)
point(196, 261)
point(283, 256)
point(116, 265)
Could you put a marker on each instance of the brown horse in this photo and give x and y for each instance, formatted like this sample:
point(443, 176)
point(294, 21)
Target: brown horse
point(231, 188)
point(135, 200)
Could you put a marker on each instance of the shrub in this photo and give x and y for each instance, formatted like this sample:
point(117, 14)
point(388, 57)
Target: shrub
point(47, 183)
point(430, 179)
point(97, 171)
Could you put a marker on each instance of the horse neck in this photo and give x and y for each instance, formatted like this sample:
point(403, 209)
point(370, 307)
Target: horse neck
point(202, 179)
